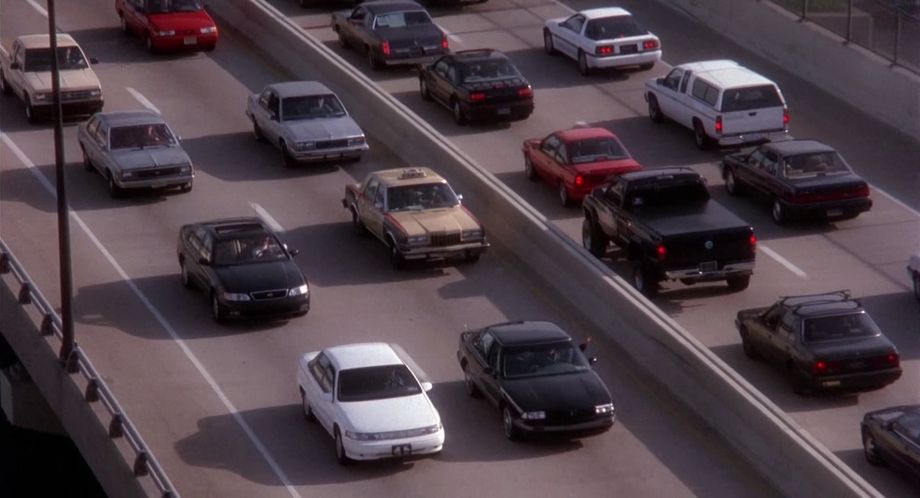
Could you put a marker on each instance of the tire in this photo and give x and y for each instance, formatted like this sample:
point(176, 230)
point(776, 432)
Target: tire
point(471, 389)
point(185, 187)
point(184, 277)
point(647, 66)
point(777, 212)
point(115, 191)
point(699, 135)
point(795, 379)
point(644, 282)
point(148, 42)
point(511, 432)
point(870, 449)
point(548, 45)
point(286, 158)
point(916, 280)
point(654, 110)
point(372, 59)
point(218, 313)
point(731, 184)
point(340, 455)
point(563, 194)
point(472, 256)
point(747, 346)
point(423, 89)
point(257, 132)
point(738, 284)
point(583, 64)
point(343, 42)
point(397, 260)
point(30, 111)
point(5, 87)
point(87, 162)
point(307, 411)
point(124, 25)
point(357, 226)
point(529, 171)
point(457, 111)
point(593, 239)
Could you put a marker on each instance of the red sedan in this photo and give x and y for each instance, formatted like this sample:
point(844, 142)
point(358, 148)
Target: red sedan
point(168, 25)
point(576, 160)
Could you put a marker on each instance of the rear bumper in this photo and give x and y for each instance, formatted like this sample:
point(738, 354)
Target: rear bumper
point(830, 210)
point(399, 60)
point(177, 43)
point(753, 137)
point(862, 381)
point(696, 274)
point(503, 111)
point(623, 60)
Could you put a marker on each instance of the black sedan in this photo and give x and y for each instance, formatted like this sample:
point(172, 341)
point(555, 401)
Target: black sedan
point(244, 269)
point(539, 380)
point(892, 437)
point(822, 342)
point(478, 84)
point(800, 178)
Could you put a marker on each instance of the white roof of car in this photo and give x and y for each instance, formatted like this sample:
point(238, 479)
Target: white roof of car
point(44, 41)
point(725, 73)
point(368, 354)
point(604, 12)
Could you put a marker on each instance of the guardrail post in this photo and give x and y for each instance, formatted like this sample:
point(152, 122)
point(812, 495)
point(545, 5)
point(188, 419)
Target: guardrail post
point(140, 464)
point(25, 293)
point(804, 10)
point(4, 263)
point(91, 394)
point(115, 429)
point(71, 362)
point(47, 326)
point(849, 21)
point(897, 38)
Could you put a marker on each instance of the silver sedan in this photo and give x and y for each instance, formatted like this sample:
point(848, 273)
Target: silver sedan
point(134, 150)
point(306, 121)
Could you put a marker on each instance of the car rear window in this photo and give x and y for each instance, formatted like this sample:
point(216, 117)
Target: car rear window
point(596, 149)
point(814, 164)
point(678, 194)
point(832, 328)
point(488, 70)
point(165, 6)
point(607, 28)
point(402, 19)
point(380, 382)
point(752, 97)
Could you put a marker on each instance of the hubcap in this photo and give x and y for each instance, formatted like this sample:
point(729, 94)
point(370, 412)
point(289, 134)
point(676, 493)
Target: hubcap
point(586, 235)
point(507, 422)
point(458, 114)
point(563, 194)
point(548, 42)
point(184, 273)
point(215, 307)
point(638, 279)
point(777, 211)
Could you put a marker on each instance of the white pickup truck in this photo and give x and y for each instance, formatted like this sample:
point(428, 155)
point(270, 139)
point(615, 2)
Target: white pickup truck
point(27, 74)
point(723, 103)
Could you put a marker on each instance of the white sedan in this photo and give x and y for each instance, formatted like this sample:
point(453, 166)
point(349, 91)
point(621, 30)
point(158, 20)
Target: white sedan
point(602, 38)
point(370, 401)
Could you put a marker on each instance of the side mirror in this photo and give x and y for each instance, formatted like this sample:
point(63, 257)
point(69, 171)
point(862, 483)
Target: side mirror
point(592, 360)
point(426, 386)
point(659, 81)
point(203, 262)
point(583, 346)
point(272, 115)
point(93, 60)
point(14, 65)
point(293, 252)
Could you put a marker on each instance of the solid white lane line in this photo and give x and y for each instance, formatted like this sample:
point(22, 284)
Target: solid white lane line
point(143, 100)
point(41, 10)
point(267, 217)
point(162, 321)
point(783, 261)
point(896, 201)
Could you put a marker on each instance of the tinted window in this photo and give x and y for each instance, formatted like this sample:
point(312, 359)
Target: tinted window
point(402, 19)
point(612, 27)
point(487, 70)
point(388, 381)
point(311, 107)
point(424, 196)
point(549, 359)
point(814, 164)
point(69, 58)
point(248, 249)
point(909, 426)
point(162, 6)
point(672, 80)
point(596, 149)
point(140, 136)
point(831, 328)
point(680, 194)
point(754, 97)
point(485, 343)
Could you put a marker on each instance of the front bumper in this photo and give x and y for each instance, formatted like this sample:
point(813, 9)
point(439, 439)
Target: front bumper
point(286, 307)
point(336, 154)
point(177, 43)
point(469, 248)
point(861, 381)
point(592, 427)
point(155, 182)
point(69, 108)
point(753, 137)
point(697, 274)
point(623, 60)
point(830, 210)
point(394, 448)
point(512, 111)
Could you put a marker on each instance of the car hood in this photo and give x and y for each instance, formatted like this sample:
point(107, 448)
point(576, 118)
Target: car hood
point(269, 275)
point(851, 348)
point(392, 414)
point(558, 392)
point(613, 167)
point(893, 412)
point(71, 79)
point(322, 129)
point(433, 221)
point(180, 21)
point(128, 159)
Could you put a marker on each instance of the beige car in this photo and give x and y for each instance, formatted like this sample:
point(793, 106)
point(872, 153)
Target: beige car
point(27, 74)
point(416, 214)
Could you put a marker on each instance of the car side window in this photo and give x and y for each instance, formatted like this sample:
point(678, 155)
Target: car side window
point(699, 89)
point(358, 14)
point(788, 327)
point(379, 199)
point(92, 126)
point(440, 67)
point(102, 135)
point(771, 318)
point(484, 344)
point(686, 80)
point(755, 158)
point(207, 247)
point(672, 80)
point(263, 99)
point(614, 193)
point(451, 73)
point(273, 104)
point(322, 372)
point(19, 55)
point(371, 190)
point(574, 23)
point(562, 154)
point(493, 358)
point(194, 244)
point(769, 163)
point(549, 145)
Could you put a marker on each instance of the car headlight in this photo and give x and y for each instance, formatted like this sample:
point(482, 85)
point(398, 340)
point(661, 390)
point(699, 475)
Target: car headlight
point(186, 169)
point(431, 429)
point(603, 409)
point(209, 29)
point(473, 234)
point(356, 141)
point(127, 174)
point(360, 436)
point(304, 145)
point(166, 33)
point(538, 415)
point(95, 93)
point(236, 296)
point(299, 291)
point(42, 96)
point(417, 240)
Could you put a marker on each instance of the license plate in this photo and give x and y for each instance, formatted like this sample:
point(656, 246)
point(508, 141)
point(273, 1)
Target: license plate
point(401, 449)
point(503, 111)
point(831, 383)
point(190, 40)
point(834, 212)
point(158, 185)
point(709, 266)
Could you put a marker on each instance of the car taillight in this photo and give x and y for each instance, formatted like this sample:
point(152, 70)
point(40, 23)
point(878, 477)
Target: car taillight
point(444, 43)
point(719, 125)
point(752, 241)
point(785, 117)
point(662, 252)
point(525, 92)
point(477, 97)
point(893, 359)
point(603, 50)
point(385, 48)
point(819, 367)
point(579, 181)
point(650, 44)
point(861, 191)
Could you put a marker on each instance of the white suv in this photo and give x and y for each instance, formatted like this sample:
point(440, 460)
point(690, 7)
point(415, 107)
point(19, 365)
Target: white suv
point(723, 103)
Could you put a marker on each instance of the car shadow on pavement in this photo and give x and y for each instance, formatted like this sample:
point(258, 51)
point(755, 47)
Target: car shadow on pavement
point(112, 46)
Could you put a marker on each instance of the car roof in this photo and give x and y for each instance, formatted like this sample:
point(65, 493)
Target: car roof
point(794, 147)
point(652, 173)
point(386, 6)
point(478, 54)
point(581, 133)
point(828, 303)
point(368, 354)
point(129, 118)
point(528, 332)
point(604, 12)
point(300, 88)
point(44, 41)
point(223, 226)
point(408, 176)
point(725, 73)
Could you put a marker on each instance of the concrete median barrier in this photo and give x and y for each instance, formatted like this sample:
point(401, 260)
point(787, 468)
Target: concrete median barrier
point(745, 418)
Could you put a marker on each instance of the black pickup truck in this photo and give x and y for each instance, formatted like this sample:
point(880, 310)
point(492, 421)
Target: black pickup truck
point(666, 225)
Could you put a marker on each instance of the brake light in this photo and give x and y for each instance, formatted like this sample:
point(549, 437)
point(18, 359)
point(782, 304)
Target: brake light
point(385, 48)
point(861, 191)
point(893, 359)
point(603, 50)
point(579, 181)
point(444, 44)
point(752, 241)
point(650, 44)
point(819, 367)
point(662, 252)
point(477, 97)
point(785, 117)
point(525, 92)
point(719, 125)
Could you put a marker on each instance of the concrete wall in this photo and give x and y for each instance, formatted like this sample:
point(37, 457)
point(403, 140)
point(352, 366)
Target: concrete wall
point(749, 422)
point(852, 73)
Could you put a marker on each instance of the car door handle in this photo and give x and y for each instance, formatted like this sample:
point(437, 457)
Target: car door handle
point(752, 113)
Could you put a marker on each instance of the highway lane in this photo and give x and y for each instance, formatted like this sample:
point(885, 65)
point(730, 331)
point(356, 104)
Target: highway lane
point(218, 405)
point(867, 254)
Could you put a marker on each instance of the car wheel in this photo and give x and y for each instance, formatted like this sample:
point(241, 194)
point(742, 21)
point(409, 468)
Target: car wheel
point(257, 132)
point(529, 171)
point(340, 454)
point(643, 281)
point(646, 66)
point(423, 89)
point(184, 276)
point(5, 88)
point(372, 59)
point(699, 135)
point(185, 187)
point(307, 411)
point(870, 449)
point(563, 193)
point(30, 111)
point(459, 118)
point(548, 42)
point(583, 64)
point(87, 162)
point(777, 212)
point(343, 42)
point(731, 185)
point(511, 432)
point(218, 313)
point(737, 284)
point(797, 380)
point(592, 238)
point(747, 346)
point(397, 260)
point(471, 389)
point(471, 256)
point(357, 226)
point(917, 285)
point(148, 41)
point(286, 158)
point(124, 24)
point(114, 190)
point(654, 110)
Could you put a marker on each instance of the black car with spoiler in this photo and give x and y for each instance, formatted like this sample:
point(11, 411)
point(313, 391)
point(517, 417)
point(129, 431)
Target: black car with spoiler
point(478, 84)
point(663, 221)
point(821, 341)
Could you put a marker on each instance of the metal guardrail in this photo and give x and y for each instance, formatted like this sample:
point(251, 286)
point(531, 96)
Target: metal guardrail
point(890, 28)
point(120, 425)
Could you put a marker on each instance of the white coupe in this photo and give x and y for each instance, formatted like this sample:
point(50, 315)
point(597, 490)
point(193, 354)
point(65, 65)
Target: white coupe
point(371, 401)
point(602, 38)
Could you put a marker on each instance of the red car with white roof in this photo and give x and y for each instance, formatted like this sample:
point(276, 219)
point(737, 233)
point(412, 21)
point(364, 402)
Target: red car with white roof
point(168, 25)
point(576, 160)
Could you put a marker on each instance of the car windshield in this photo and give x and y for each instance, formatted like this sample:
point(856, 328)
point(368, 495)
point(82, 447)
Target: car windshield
point(680, 194)
point(402, 19)
point(380, 382)
point(596, 149)
point(488, 70)
point(544, 359)
point(608, 28)
point(251, 248)
point(69, 58)
point(423, 196)
point(165, 6)
point(311, 107)
point(752, 97)
point(814, 164)
point(832, 328)
point(141, 136)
